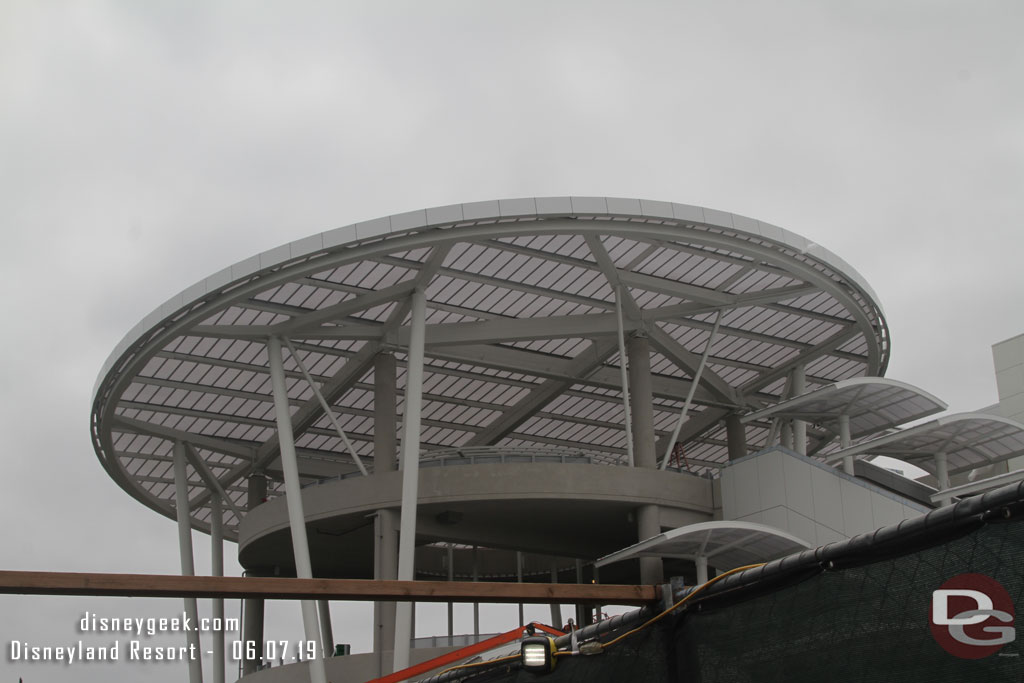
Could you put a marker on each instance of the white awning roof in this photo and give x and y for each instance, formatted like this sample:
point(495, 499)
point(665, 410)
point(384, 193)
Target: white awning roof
point(873, 404)
point(725, 545)
point(969, 441)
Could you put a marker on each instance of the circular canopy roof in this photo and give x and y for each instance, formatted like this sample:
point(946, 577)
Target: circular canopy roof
point(521, 338)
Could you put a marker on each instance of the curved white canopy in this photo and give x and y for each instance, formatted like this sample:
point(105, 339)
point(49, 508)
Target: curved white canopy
point(725, 545)
point(521, 339)
point(967, 440)
point(872, 404)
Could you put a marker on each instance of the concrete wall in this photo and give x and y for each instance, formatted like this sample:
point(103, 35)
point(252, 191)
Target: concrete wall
point(1009, 361)
point(813, 501)
point(571, 493)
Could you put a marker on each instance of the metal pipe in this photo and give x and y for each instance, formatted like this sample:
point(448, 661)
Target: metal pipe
point(293, 499)
point(328, 411)
point(692, 392)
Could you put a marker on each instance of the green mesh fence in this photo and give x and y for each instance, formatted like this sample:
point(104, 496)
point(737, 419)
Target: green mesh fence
point(858, 611)
point(864, 623)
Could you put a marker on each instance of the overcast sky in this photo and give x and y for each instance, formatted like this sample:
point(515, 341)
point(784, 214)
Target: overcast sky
point(146, 145)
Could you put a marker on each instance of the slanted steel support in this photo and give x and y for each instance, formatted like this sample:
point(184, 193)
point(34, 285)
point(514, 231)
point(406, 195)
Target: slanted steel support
point(188, 568)
point(410, 473)
point(328, 411)
point(624, 378)
point(293, 499)
point(693, 390)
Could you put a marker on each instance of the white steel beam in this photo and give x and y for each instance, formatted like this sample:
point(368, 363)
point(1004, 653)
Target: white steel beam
point(188, 568)
point(326, 407)
point(293, 498)
point(217, 569)
point(689, 395)
point(410, 463)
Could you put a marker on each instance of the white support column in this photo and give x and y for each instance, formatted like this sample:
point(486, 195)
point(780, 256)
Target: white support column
point(324, 609)
point(702, 569)
point(188, 568)
point(845, 442)
point(385, 566)
point(799, 380)
point(386, 519)
point(293, 499)
point(410, 474)
point(647, 516)
point(624, 376)
point(217, 569)
point(942, 474)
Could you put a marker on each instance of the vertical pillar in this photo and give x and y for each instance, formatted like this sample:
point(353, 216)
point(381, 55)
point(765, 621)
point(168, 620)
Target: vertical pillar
point(385, 417)
point(252, 625)
point(385, 421)
point(324, 609)
point(736, 436)
point(647, 518)
point(451, 605)
point(410, 474)
point(799, 384)
point(195, 662)
point(519, 579)
point(293, 499)
point(556, 609)
point(476, 605)
point(786, 434)
point(624, 379)
point(641, 408)
point(385, 566)
point(217, 569)
point(702, 569)
point(844, 442)
point(942, 474)
point(580, 610)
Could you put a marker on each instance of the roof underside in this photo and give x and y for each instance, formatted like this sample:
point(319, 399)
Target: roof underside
point(521, 343)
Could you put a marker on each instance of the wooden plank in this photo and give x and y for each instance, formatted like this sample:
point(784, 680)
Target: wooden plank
point(168, 586)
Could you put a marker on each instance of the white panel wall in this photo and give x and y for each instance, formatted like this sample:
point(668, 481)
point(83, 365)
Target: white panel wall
point(812, 501)
point(1009, 362)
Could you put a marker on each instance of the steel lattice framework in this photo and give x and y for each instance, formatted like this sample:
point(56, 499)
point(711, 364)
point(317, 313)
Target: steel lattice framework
point(521, 340)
